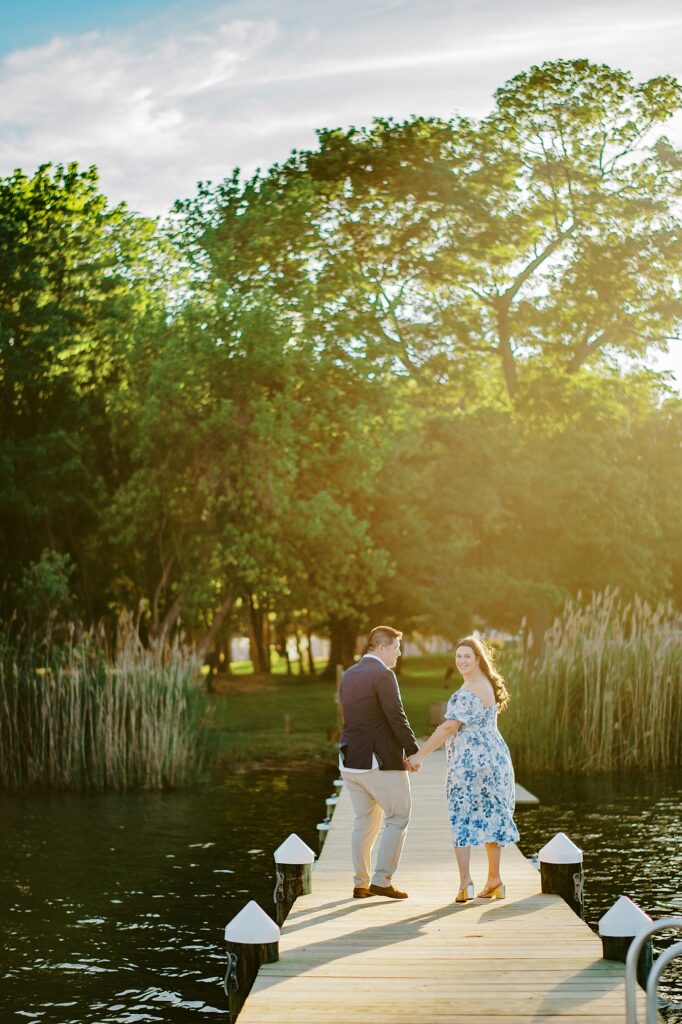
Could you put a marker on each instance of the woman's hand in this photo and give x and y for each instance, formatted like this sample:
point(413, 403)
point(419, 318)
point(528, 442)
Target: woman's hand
point(413, 763)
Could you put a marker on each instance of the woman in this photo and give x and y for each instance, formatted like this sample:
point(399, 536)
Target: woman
point(480, 779)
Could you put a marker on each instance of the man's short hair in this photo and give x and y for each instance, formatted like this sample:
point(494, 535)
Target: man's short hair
point(382, 635)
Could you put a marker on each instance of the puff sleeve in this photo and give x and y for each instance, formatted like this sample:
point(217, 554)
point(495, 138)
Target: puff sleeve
point(464, 707)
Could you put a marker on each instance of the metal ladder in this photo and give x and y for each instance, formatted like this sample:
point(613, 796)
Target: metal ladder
point(660, 965)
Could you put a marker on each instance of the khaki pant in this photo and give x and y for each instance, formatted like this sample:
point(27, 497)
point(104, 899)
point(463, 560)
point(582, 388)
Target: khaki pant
point(372, 794)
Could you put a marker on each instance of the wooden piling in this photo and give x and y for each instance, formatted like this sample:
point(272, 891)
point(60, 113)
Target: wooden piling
point(561, 871)
point(252, 939)
point(322, 830)
point(618, 927)
point(293, 875)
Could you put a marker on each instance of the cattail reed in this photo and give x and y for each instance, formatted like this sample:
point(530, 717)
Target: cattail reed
point(77, 719)
point(605, 692)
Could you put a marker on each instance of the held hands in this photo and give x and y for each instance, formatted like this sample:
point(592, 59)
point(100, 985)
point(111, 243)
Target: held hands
point(412, 765)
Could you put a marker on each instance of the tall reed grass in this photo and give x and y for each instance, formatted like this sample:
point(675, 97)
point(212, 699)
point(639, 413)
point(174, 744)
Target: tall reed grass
point(605, 693)
point(75, 717)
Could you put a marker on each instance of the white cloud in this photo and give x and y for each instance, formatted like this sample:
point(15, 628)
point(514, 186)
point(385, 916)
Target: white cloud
point(487, 49)
point(127, 104)
point(164, 104)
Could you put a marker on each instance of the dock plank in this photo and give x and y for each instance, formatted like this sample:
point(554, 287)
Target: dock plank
point(523, 797)
point(524, 959)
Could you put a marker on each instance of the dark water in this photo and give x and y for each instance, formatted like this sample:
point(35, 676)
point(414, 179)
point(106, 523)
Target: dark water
point(629, 828)
point(112, 908)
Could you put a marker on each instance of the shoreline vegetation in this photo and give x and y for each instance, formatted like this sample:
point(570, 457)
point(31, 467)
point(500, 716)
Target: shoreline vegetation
point(72, 716)
point(603, 695)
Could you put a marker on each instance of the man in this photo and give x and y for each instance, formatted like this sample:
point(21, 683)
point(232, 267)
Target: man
point(376, 740)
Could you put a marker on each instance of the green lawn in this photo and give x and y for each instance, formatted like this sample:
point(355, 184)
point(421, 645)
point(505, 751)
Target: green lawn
point(279, 718)
point(279, 666)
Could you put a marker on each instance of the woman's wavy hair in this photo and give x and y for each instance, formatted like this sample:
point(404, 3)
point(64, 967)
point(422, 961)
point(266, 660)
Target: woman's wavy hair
point(486, 659)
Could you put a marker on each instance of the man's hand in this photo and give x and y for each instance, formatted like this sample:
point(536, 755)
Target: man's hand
point(410, 767)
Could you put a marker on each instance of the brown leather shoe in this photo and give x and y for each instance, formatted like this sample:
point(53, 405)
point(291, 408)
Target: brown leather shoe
point(388, 890)
point(360, 893)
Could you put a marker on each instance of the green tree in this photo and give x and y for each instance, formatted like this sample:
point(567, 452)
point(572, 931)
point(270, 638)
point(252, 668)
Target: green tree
point(576, 242)
point(547, 232)
point(249, 466)
point(75, 279)
point(493, 514)
point(44, 593)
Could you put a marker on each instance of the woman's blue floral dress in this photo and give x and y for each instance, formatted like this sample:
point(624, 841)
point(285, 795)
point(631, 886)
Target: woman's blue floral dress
point(480, 782)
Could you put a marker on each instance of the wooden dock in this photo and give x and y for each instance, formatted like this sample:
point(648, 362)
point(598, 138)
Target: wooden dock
point(428, 959)
point(524, 798)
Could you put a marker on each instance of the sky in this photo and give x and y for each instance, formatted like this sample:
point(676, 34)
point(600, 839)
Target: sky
point(161, 95)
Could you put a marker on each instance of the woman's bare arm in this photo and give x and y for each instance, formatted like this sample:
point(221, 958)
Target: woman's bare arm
point(437, 738)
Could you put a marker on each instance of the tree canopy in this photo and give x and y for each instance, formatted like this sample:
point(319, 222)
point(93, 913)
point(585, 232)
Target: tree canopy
point(402, 374)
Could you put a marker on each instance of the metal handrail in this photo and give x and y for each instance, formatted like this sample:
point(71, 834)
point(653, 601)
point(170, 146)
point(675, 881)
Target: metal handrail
point(631, 962)
point(662, 961)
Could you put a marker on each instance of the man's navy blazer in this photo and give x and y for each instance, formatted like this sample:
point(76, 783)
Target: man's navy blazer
point(374, 718)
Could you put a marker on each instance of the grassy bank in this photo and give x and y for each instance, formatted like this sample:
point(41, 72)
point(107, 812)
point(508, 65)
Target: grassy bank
point(280, 718)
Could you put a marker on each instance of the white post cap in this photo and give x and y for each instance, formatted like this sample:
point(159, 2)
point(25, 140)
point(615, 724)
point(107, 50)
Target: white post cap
point(294, 851)
point(324, 826)
point(560, 850)
point(623, 920)
point(338, 782)
point(252, 926)
point(332, 801)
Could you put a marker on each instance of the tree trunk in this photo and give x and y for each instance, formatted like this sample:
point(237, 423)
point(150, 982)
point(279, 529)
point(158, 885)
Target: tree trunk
point(299, 652)
point(158, 594)
point(281, 646)
point(311, 660)
point(228, 654)
point(505, 349)
point(266, 641)
point(259, 640)
point(583, 351)
point(211, 660)
point(342, 636)
point(170, 618)
point(221, 616)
